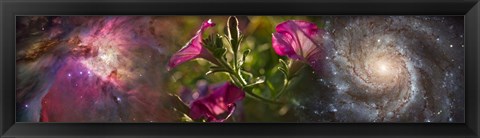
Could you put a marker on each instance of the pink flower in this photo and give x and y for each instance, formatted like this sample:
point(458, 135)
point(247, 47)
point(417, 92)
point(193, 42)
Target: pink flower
point(300, 40)
point(193, 49)
point(217, 106)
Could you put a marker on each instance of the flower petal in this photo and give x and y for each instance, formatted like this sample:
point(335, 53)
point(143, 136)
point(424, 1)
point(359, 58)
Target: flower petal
point(296, 39)
point(217, 106)
point(282, 44)
point(193, 49)
point(229, 92)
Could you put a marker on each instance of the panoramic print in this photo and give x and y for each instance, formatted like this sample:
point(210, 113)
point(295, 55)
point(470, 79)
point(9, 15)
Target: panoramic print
point(236, 69)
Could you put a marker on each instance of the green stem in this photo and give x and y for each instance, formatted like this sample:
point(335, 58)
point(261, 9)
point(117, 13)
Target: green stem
point(261, 98)
point(239, 80)
point(285, 86)
point(294, 68)
point(235, 60)
point(240, 77)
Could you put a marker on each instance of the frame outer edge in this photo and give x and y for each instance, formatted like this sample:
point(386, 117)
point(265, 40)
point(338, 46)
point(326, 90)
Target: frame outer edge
point(2, 130)
point(472, 22)
point(477, 8)
point(6, 115)
point(474, 12)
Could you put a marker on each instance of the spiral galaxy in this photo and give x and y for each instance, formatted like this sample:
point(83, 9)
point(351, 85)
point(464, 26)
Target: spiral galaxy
point(392, 69)
point(114, 69)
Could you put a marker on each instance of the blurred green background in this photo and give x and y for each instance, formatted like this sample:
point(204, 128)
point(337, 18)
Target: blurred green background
point(262, 61)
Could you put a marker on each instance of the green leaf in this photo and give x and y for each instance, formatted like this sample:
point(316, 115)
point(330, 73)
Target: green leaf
point(240, 63)
point(244, 55)
point(213, 42)
point(214, 69)
point(258, 80)
point(177, 104)
point(242, 60)
point(235, 81)
point(186, 118)
point(284, 72)
point(220, 52)
point(294, 68)
point(219, 41)
point(250, 75)
point(283, 64)
point(240, 39)
point(233, 31)
point(270, 86)
point(225, 37)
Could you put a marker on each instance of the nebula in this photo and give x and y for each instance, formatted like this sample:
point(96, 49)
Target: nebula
point(114, 69)
point(392, 69)
point(89, 69)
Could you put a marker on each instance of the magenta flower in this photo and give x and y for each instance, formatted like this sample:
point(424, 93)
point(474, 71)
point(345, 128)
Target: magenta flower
point(193, 49)
point(217, 106)
point(300, 40)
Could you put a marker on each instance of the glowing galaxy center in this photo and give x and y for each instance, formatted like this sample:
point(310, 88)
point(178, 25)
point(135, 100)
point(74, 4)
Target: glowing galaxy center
point(383, 68)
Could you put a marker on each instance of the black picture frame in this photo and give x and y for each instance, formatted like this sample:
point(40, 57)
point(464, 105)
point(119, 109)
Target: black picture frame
point(10, 9)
